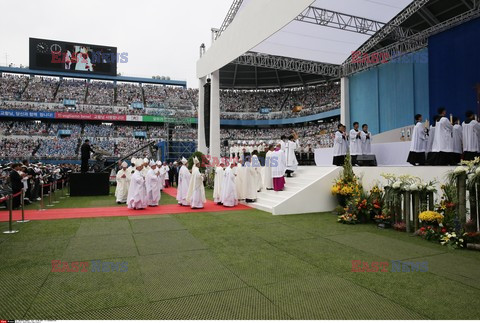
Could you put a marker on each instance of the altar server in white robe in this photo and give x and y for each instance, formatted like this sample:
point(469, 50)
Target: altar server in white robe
point(218, 183)
point(340, 146)
point(366, 137)
point(418, 146)
point(131, 168)
point(267, 175)
point(152, 183)
point(443, 142)
point(229, 189)
point(146, 167)
point(196, 190)
point(431, 139)
point(240, 180)
point(355, 143)
point(123, 183)
point(251, 185)
point(137, 192)
point(163, 175)
point(183, 183)
point(166, 178)
point(291, 147)
point(457, 142)
point(471, 137)
point(258, 170)
point(279, 167)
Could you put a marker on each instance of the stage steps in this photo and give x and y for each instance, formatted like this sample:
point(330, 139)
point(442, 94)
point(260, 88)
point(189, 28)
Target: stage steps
point(305, 192)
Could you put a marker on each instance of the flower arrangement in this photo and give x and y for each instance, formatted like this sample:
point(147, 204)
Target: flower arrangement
point(348, 218)
point(430, 217)
point(400, 226)
point(431, 233)
point(348, 185)
point(451, 240)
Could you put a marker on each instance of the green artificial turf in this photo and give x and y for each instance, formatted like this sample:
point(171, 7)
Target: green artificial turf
point(229, 265)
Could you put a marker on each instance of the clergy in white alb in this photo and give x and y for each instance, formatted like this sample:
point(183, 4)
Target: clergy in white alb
point(218, 183)
point(291, 160)
point(279, 166)
point(153, 185)
point(229, 189)
point(137, 192)
point(418, 145)
point(457, 142)
point(196, 190)
point(123, 182)
point(443, 142)
point(267, 172)
point(366, 138)
point(471, 137)
point(183, 183)
point(355, 143)
point(340, 146)
point(240, 180)
point(251, 185)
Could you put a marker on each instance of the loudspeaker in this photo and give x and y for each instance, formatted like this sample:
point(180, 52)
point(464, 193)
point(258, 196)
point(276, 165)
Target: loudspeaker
point(367, 160)
point(89, 184)
point(206, 110)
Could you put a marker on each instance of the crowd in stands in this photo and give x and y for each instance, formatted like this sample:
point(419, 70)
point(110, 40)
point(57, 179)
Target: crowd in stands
point(128, 93)
point(40, 89)
point(101, 93)
point(72, 90)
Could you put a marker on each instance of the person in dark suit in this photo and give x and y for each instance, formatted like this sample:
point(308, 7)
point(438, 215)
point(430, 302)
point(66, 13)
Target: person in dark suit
point(85, 155)
point(16, 183)
point(173, 173)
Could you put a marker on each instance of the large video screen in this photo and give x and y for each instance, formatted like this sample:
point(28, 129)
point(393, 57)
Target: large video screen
point(72, 57)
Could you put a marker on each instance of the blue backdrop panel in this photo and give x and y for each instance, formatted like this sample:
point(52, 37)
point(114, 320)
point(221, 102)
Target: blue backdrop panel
point(364, 99)
point(455, 69)
point(388, 96)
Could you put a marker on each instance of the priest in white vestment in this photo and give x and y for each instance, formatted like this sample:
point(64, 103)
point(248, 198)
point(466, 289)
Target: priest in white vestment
point(471, 137)
point(366, 138)
point(267, 175)
point(418, 145)
point(340, 146)
point(131, 168)
point(443, 142)
point(355, 143)
point(229, 189)
point(137, 192)
point(291, 160)
point(123, 182)
point(183, 183)
point(279, 166)
point(218, 183)
point(240, 180)
point(196, 190)
point(146, 167)
point(152, 183)
point(457, 142)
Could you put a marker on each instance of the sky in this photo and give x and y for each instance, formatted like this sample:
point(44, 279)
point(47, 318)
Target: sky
point(161, 37)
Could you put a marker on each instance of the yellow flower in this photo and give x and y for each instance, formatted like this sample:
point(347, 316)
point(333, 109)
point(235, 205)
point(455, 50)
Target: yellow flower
point(430, 216)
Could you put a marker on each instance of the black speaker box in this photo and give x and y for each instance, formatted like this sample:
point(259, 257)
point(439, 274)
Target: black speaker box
point(367, 160)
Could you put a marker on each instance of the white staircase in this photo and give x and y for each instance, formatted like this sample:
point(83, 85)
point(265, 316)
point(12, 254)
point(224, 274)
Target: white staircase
point(307, 192)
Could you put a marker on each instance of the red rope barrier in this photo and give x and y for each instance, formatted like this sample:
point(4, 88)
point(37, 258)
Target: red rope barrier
point(47, 185)
point(6, 198)
point(17, 194)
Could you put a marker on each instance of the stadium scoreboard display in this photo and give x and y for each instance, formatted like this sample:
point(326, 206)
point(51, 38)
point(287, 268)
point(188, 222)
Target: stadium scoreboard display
point(64, 56)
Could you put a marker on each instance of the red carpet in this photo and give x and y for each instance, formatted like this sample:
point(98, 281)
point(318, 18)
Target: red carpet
point(54, 214)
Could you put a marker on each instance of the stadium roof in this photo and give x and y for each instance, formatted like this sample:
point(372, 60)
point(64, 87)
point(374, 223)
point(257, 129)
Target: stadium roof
point(322, 31)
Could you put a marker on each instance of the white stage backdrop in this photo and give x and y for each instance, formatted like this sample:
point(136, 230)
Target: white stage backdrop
point(391, 154)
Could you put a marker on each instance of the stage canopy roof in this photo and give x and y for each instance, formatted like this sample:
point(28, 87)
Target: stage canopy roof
point(322, 31)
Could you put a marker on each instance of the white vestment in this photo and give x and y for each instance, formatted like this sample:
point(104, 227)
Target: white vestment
point(152, 182)
point(278, 164)
point(229, 189)
point(163, 175)
point(217, 185)
point(366, 143)
point(240, 181)
point(183, 183)
point(443, 141)
point(123, 183)
point(291, 159)
point(355, 143)
point(196, 191)
point(419, 139)
point(267, 175)
point(251, 181)
point(471, 136)
point(137, 192)
point(431, 138)
point(457, 139)
point(339, 145)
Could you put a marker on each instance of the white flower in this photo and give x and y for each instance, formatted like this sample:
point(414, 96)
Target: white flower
point(461, 240)
point(460, 170)
point(453, 235)
point(397, 185)
point(440, 225)
point(413, 187)
point(477, 171)
point(431, 188)
point(471, 176)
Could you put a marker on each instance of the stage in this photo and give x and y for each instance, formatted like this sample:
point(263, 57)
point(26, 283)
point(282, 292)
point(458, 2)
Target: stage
point(309, 191)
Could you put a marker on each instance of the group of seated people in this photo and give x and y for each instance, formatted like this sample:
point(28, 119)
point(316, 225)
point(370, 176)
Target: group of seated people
point(106, 97)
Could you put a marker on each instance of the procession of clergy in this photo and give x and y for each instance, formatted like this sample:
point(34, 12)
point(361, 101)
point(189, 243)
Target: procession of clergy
point(445, 142)
point(238, 178)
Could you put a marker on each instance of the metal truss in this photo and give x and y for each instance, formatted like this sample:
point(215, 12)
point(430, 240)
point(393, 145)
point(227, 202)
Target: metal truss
point(288, 64)
point(412, 44)
point(342, 21)
point(232, 12)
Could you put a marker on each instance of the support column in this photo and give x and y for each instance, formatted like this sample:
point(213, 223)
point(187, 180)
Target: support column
point(215, 116)
point(201, 143)
point(345, 106)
